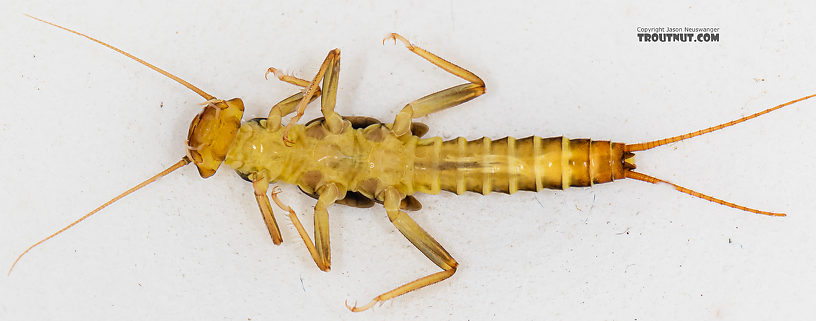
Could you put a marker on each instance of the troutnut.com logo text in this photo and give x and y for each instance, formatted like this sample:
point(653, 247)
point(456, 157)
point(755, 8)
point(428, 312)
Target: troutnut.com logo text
point(678, 34)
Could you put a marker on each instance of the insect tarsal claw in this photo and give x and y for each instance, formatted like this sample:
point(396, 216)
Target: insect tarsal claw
point(362, 308)
point(287, 142)
point(273, 71)
point(276, 190)
point(395, 36)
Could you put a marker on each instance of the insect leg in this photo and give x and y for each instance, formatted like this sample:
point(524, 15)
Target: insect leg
point(288, 105)
point(288, 78)
point(331, 60)
point(422, 240)
point(260, 186)
point(439, 100)
point(328, 195)
point(320, 249)
point(333, 121)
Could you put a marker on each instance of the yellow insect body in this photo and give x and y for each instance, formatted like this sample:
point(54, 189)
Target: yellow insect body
point(362, 160)
point(357, 160)
point(366, 160)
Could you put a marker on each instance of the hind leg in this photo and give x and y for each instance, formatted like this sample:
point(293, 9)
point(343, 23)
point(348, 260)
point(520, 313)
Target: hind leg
point(423, 241)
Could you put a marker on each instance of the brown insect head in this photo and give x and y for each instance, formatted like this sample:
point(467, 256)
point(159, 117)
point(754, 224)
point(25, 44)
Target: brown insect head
point(212, 132)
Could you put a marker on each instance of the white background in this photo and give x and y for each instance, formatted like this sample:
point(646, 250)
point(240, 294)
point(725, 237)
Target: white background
point(81, 123)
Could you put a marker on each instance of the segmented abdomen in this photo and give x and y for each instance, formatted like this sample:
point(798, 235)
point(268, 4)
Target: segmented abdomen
point(508, 165)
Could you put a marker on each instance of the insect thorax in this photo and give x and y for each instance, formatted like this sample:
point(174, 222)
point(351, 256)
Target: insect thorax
point(365, 160)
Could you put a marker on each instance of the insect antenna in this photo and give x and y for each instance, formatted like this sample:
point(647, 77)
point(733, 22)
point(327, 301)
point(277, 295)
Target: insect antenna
point(159, 70)
point(184, 161)
point(660, 142)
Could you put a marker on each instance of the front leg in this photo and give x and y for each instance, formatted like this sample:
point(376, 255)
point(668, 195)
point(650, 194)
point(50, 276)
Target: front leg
point(439, 100)
point(329, 72)
point(260, 185)
point(288, 105)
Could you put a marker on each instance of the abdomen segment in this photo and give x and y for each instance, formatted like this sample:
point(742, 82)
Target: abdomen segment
point(508, 165)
